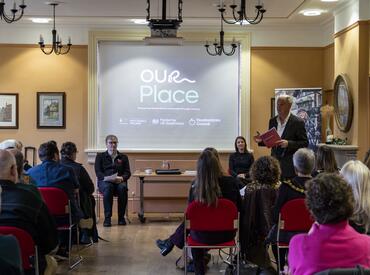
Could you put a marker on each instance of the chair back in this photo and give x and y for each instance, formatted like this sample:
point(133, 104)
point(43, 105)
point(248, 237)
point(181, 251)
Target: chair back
point(294, 216)
point(56, 200)
point(26, 245)
point(345, 271)
point(222, 217)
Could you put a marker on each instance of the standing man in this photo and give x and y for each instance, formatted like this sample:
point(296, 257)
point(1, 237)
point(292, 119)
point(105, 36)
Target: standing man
point(293, 135)
point(112, 169)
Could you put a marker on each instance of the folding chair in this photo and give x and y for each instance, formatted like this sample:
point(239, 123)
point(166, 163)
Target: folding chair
point(293, 217)
point(223, 217)
point(59, 206)
point(27, 246)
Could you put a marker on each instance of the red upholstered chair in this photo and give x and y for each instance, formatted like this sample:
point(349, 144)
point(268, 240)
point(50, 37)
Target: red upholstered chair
point(26, 245)
point(223, 217)
point(293, 217)
point(59, 205)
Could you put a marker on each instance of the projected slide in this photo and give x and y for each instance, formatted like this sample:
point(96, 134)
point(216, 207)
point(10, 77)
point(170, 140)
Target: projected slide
point(167, 97)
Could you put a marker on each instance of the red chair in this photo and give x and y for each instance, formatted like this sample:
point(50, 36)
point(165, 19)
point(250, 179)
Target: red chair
point(223, 217)
point(26, 245)
point(293, 217)
point(59, 205)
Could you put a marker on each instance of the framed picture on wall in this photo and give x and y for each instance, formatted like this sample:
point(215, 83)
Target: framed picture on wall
point(51, 110)
point(8, 111)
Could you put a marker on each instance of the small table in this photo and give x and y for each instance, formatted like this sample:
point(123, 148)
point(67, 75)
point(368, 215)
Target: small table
point(154, 178)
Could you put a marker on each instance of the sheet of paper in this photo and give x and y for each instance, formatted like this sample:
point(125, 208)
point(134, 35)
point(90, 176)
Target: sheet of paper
point(111, 177)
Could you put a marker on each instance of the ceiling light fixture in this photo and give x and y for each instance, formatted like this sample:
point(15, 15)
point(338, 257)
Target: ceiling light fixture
point(57, 47)
point(139, 21)
point(41, 20)
point(11, 18)
point(219, 47)
point(311, 12)
point(240, 13)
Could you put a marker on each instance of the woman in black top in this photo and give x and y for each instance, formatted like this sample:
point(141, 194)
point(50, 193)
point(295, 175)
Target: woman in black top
point(325, 161)
point(209, 185)
point(240, 161)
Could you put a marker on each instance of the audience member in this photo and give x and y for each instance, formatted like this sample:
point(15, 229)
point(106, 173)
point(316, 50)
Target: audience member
point(258, 203)
point(22, 208)
point(112, 169)
point(209, 184)
point(331, 242)
point(241, 161)
point(304, 162)
point(325, 161)
point(87, 200)
point(11, 143)
point(357, 176)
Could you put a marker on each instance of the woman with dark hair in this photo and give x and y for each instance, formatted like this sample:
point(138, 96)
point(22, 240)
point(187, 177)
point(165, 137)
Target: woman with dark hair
point(87, 200)
point(325, 161)
point(240, 161)
point(331, 241)
point(258, 204)
point(209, 185)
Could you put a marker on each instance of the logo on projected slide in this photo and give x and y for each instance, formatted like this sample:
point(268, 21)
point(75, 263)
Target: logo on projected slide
point(151, 92)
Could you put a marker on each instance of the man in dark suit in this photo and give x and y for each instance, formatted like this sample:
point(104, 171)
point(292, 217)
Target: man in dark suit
point(293, 136)
point(112, 169)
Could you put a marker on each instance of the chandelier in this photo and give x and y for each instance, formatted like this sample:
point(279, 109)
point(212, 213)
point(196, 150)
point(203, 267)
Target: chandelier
point(219, 47)
point(11, 18)
point(57, 47)
point(239, 13)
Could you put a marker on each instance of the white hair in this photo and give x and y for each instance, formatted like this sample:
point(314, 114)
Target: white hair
point(287, 98)
point(357, 176)
point(11, 143)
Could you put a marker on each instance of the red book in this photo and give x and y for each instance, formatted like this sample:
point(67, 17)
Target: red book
point(270, 138)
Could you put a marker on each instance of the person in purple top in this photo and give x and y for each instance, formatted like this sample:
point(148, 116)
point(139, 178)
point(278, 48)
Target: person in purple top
point(331, 241)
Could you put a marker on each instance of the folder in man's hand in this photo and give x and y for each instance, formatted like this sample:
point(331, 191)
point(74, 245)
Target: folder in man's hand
point(270, 138)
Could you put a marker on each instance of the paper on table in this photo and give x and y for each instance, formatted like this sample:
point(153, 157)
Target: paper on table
point(270, 137)
point(111, 177)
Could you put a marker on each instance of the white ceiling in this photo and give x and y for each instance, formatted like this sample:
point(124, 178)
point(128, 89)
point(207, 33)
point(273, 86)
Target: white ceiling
point(202, 12)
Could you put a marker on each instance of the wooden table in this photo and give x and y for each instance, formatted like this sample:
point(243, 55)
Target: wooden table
point(154, 178)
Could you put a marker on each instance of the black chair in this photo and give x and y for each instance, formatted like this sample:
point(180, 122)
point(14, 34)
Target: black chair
point(345, 271)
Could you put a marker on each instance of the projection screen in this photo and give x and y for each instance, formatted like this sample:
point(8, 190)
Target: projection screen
point(167, 97)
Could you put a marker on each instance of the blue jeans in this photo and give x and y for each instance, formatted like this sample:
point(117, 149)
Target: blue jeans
point(109, 190)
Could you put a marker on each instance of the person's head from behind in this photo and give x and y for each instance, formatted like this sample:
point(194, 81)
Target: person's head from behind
point(111, 141)
point(283, 105)
point(209, 170)
point(329, 198)
point(10, 144)
point(19, 160)
point(304, 161)
point(266, 170)
point(325, 160)
point(357, 175)
point(69, 150)
point(240, 144)
point(48, 151)
point(8, 166)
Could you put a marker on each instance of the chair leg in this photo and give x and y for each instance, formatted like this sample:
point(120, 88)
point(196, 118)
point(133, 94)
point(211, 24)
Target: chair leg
point(185, 260)
point(79, 258)
point(278, 258)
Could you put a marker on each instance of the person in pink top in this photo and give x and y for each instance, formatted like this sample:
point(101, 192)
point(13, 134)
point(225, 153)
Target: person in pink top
point(331, 241)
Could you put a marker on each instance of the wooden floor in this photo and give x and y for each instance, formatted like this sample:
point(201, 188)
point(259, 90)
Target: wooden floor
point(131, 250)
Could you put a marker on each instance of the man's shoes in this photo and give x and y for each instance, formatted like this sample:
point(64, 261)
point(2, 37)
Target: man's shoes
point(122, 221)
point(165, 246)
point(107, 222)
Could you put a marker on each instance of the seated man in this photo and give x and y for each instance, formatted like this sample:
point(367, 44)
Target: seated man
point(22, 208)
point(112, 169)
point(50, 173)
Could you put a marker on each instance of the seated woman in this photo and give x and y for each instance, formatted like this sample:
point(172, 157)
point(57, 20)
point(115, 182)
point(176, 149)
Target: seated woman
point(86, 190)
point(258, 203)
point(241, 161)
point(303, 161)
point(357, 175)
point(325, 161)
point(331, 241)
point(210, 184)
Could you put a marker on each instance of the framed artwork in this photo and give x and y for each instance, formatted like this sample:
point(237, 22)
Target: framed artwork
point(8, 111)
point(343, 103)
point(51, 110)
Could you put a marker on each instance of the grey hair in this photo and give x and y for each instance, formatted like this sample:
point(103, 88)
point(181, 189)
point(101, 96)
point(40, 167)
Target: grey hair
point(304, 161)
point(287, 98)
